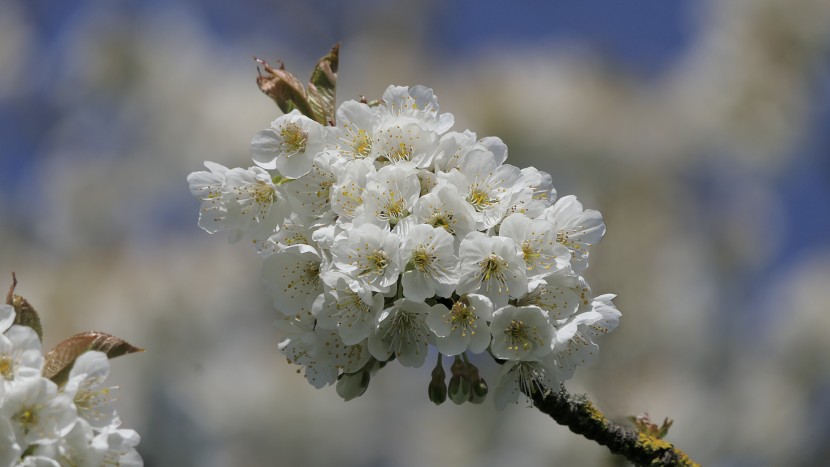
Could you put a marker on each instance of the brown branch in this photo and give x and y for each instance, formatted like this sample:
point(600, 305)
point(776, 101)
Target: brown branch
point(580, 415)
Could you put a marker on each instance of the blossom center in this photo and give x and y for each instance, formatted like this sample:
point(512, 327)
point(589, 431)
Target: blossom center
point(7, 367)
point(528, 376)
point(443, 220)
point(518, 336)
point(564, 238)
point(395, 209)
point(262, 193)
point(480, 199)
point(421, 259)
point(362, 145)
point(463, 316)
point(352, 301)
point(375, 263)
point(27, 417)
point(493, 267)
point(406, 330)
point(312, 271)
point(530, 254)
point(400, 153)
point(294, 139)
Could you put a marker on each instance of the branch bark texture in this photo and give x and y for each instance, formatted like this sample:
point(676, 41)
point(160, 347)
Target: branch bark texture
point(580, 415)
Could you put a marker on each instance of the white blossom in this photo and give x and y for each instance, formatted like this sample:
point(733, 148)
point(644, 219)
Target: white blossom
point(347, 194)
point(118, 447)
point(38, 414)
point(355, 130)
point(485, 186)
point(537, 239)
point(290, 145)
point(208, 187)
point(430, 262)
point(294, 230)
point(523, 377)
point(404, 140)
point(493, 267)
point(310, 194)
point(575, 344)
point(255, 206)
point(293, 278)
point(557, 295)
point(451, 149)
point(462, 327)
point(445, 208)
point(369, 253)
point(417, 102)
point(312, 348)
point(21, 357)
point(521, 333)
point(386, 234)
point(576, 228)
point(76, 448)
point(349, 307)
point(402, 331)
point(390, 194)
point(93, 402)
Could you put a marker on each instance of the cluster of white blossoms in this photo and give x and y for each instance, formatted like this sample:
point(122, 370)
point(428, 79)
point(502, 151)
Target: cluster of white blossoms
point(387, 233)
point(44, 425)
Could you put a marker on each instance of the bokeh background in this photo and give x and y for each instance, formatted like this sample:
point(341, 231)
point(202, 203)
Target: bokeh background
point(700, 129)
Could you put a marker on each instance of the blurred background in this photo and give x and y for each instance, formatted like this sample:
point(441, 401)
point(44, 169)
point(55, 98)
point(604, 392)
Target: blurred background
point(699, 129)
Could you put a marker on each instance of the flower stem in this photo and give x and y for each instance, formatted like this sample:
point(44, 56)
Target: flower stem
point(581, 417)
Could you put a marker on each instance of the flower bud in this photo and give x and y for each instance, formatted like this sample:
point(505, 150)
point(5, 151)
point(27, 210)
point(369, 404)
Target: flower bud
point(459, 390)
point(479, 392)
point(458, 367)
point(351, 385)
point(437, 391)
point(437, 387)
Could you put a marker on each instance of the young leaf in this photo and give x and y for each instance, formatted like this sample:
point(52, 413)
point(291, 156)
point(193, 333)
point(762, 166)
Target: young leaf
point(644, 425)
point(58, 362)
point(284, 88)
point(25, 313)
point(322, 87)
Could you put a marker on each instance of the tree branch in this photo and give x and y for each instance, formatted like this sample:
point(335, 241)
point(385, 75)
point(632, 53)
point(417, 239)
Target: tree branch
point(580, 415)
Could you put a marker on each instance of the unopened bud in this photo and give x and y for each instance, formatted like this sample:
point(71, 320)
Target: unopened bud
point(437, 386)
point(351, 385)
point(479, 392)
point(437, 391)
point(459, 390)
point(458, 368)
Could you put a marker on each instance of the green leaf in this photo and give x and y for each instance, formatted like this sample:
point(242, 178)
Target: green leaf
point(284, 88)
point(59, 361)
point(322, 87)
point(25, 314)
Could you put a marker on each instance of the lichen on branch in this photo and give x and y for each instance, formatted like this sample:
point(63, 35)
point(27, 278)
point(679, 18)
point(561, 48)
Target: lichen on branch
point(583, 418)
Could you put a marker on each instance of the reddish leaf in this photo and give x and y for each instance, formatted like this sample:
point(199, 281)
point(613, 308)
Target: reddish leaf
point(25, 314)
point(322, 86)
point(59, 361)
point(284, 88)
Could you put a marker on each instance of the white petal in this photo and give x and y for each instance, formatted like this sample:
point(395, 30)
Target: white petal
point(265, 147)
point(7, 315)
point(417, 286)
